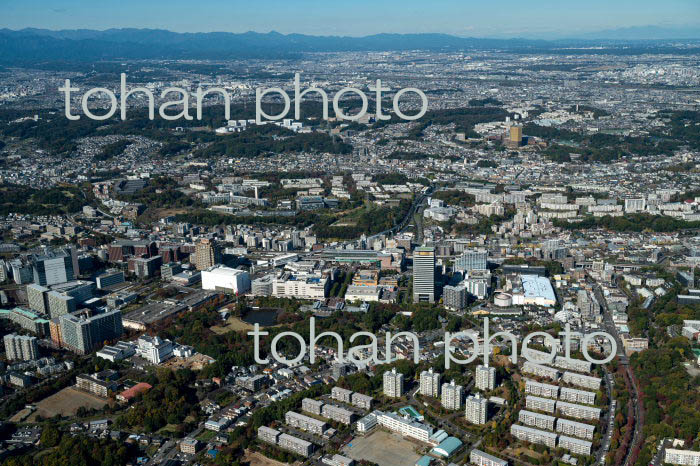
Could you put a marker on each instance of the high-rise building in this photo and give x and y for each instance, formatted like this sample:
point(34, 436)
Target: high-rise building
point(455, 297)
point(424, 274)
point(476, 409)
point(393, 383)
point(21, 347)
point(52, 268)
point(82, 334)
point(485, 378)
point(452, 396)
point(109, 278)
point(207, 254)
point(472, 259)
point(37, 297)
point(430, 383)
point(515, 136)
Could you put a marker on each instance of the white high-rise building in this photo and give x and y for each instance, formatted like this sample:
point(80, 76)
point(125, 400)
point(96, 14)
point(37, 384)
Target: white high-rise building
point(21, 347)
point(393, 383)
point(430, 383)
point(452, 396)
point(485, 378)
point(424, 274)
point(476, 409)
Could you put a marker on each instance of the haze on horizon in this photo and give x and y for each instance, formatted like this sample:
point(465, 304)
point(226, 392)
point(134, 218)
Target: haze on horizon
point(542, 19)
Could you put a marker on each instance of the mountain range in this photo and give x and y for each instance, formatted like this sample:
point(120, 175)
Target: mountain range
point(85, 45)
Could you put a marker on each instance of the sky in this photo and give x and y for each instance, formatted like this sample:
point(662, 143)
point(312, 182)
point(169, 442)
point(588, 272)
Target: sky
point(473, 18)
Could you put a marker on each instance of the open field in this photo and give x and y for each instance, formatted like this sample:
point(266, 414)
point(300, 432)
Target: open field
point(253, 458)
point(232, 323)
point(383, 448)
point(66, 403)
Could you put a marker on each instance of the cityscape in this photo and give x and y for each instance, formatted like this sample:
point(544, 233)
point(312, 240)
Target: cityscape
point(191, 284)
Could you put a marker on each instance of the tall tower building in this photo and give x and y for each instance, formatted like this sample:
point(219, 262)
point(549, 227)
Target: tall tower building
point(430, 383)
point(393, 383)
point(485, 378)
point(207, 254)
point(424, 274)
point(52, 268)
point(452, 396)
point(476, 409)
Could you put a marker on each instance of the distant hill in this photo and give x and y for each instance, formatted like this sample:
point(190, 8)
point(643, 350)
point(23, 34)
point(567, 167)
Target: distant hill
point(36, 45)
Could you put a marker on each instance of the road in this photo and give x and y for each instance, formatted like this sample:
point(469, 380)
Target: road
point(624, 362)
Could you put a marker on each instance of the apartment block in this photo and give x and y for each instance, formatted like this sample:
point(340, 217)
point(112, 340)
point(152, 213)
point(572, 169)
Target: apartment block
point(311, 406)
point(476, 409)
point(576, 429)
point(295, 445)
point(578, 411)
point(577, 396)
point(481, 458)
point(393, 383)
point(541, 421)
point(540, 370)
point(575, 445)
point(430, 383)
point(541, 389)
point(581, 380)
point(485, 378)
point(306, 423)
point(540, 404)
point(532, 435)
point(452, 396)
point(338, 414)
point(361, 401)
point(683, 457)
point(341, 394)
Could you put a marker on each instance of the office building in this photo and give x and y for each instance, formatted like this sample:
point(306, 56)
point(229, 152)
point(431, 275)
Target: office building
point(532, 435)
point(574, 445)
point(226, 279)
point(305, 423)
point(52, 268)
point(577, 429)
point(21, 347)
point(207, 254)
point(485, 378)
point(476, 409)
point(393, 383)
point(452, 396)
point(480, 458)
point(430, 383)
point(424, 274)
point(109, 278)
point(82, 334)
point(541, 421)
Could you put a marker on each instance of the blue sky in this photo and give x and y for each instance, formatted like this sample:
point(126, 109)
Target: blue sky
point(493, 18)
